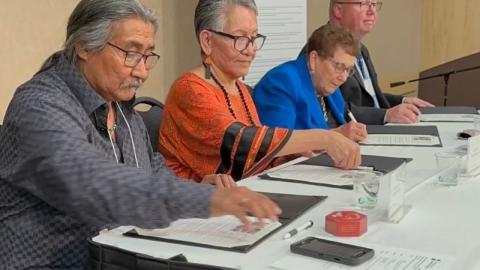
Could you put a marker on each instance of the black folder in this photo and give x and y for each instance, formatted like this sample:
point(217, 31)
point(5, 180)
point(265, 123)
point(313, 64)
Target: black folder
point(410, 130)
point(107, 257)
point(292, 207)
point(449, 110)
point(378, 163)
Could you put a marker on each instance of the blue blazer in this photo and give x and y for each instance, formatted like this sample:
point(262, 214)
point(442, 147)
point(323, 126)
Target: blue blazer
point(285, 97)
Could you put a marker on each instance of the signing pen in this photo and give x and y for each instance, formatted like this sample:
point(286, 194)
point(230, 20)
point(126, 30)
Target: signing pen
point(350, 115)
point(365, 168)
point(299, 229)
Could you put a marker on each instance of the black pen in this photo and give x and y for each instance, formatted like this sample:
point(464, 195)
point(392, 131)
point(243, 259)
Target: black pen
point(299, 229)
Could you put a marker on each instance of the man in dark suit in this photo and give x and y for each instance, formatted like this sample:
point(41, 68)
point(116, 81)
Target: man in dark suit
point(361, 90)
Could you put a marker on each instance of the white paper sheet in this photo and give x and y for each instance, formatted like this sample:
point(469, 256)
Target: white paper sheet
point(386, 258)
point(225, 231)
point(284, 22)
point(401, 139)
point(446, 117)
point(315, 174)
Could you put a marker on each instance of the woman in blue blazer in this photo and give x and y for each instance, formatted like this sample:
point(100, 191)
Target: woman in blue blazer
point(304, 94)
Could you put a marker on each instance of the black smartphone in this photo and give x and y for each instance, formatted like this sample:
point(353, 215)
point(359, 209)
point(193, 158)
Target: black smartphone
point(332, 251)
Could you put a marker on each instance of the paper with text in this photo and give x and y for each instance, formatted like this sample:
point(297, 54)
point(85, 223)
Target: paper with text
point(446, 117)
point(225, 231)
point(401, 139)
point(284, 22)
point(315, 174)
point(386, 258)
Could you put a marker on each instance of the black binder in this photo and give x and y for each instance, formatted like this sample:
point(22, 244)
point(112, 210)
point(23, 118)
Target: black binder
point(112, 258)
point(410, 130)
point(292, 207)
point(378, 163)
point(449, 110)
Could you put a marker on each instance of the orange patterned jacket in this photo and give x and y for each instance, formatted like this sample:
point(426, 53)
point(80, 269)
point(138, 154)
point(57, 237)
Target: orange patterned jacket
point(199, 135)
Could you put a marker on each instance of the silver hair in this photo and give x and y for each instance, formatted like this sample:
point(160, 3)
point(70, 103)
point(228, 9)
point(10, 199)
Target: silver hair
point(90, 25)
point(210, 14)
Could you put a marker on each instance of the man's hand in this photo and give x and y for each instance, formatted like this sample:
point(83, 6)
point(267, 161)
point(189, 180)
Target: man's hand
point(418, 102)
point(239, 201)
point(219, 180)
point(344, 152)
point(403, 113)
point(354, 131)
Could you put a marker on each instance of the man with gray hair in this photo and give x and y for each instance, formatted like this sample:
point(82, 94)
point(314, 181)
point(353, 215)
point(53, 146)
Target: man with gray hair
point(361, 91)
point(75, 157)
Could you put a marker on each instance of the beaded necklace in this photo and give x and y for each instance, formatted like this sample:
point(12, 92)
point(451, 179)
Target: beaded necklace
point(113, 128)
point(324, 108)
point(229, 104)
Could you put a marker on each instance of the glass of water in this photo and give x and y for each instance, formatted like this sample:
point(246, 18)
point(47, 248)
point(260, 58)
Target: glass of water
point(366, 185)
point(448, 167)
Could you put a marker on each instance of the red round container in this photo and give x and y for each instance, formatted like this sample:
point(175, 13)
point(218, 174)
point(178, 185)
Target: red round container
point(346, 223)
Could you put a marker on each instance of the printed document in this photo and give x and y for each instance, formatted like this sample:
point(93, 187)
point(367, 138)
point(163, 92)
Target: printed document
point(225, 231)
point(315, 174)
point(386, 258)
point(401, 139)
point(284, 22)
point(446, 117)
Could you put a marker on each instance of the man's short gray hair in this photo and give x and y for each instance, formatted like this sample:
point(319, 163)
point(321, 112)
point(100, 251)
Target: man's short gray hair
point(210, 14)
point(90, 24)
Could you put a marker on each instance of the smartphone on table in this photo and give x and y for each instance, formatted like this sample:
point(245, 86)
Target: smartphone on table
point(332, 251)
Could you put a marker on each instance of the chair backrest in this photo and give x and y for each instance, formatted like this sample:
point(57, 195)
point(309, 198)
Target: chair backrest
point(151, 117)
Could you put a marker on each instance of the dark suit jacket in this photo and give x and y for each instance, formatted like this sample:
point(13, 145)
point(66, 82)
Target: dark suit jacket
point(359, 100)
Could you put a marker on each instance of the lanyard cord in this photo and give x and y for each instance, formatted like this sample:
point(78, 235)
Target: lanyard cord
point(131, 138)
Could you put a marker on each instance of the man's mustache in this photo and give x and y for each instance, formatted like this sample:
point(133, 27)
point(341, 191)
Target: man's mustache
point(132, 84)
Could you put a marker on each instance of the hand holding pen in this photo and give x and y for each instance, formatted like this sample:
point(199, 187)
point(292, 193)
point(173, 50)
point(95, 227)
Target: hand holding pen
point(350, 115)
point(293, 232)
point(353, 130)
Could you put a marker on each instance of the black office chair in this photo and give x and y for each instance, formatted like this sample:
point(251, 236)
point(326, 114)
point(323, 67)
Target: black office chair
point(151, 117)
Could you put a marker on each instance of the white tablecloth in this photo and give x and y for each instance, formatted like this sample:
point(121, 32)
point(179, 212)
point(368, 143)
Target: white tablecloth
point(443, 220)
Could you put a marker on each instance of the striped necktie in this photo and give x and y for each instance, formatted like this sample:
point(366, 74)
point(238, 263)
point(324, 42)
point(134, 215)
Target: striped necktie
point(361, 66)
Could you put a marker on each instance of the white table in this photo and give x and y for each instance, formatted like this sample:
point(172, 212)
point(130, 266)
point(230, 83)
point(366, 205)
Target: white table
point(443, 220)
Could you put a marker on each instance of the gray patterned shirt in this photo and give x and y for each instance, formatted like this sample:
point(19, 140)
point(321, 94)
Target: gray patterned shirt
point(60, 182)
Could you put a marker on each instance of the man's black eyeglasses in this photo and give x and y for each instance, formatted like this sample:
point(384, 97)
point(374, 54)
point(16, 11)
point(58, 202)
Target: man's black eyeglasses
point(240, 43)
point(133, 58)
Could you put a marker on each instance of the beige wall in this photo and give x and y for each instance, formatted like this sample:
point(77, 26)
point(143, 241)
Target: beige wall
point(28, 40)
point(183, 50)
point(451, 29)
point(410, 35)
point(31, 34)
